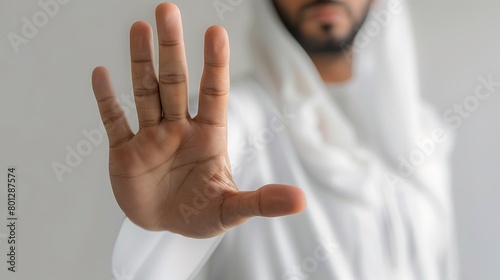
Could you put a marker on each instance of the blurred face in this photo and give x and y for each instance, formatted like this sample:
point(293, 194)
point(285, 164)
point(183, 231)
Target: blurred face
point(323, 26)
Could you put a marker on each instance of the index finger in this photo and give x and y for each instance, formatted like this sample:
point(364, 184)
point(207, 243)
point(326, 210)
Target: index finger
point(214, 87)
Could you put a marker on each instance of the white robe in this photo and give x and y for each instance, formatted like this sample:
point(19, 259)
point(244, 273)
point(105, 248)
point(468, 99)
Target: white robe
point(362, 221)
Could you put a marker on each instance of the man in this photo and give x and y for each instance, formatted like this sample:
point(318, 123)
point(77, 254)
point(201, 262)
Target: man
point(331, 113)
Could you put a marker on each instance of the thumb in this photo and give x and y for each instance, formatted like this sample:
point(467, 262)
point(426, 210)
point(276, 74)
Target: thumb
point(269, 201)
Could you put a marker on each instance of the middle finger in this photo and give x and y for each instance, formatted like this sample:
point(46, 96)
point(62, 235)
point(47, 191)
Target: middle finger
point(172, 74)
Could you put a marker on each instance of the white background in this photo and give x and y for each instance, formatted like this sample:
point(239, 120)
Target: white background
point(67, 229)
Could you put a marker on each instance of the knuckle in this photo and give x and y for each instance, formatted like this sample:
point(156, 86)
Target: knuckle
point(209, 90)
point(110, 121)
point(150, 123)
point(169, 43)
point(171, 78)
point(216, 64)
point(141, 91)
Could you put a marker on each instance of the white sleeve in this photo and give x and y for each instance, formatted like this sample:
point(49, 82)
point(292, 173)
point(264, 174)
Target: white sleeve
point(148, 255)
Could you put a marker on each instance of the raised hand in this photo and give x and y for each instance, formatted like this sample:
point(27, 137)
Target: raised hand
point(174, 173)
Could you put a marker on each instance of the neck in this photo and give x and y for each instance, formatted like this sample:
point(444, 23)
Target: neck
point(333, 68)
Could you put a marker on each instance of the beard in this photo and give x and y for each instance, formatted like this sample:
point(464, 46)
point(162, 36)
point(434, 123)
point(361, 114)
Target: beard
point(331, 44)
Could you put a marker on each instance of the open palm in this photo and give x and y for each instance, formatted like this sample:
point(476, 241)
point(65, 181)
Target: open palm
point(174, 173)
